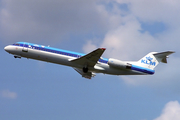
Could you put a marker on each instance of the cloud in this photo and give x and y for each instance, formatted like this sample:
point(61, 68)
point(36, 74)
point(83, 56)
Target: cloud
point(126, 41)
point(154, 10)
point(170, 112)
point(8, 94)
point(48, 20)
point(89, 47)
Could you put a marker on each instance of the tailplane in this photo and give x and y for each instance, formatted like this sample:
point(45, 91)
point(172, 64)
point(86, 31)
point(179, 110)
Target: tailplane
point(152, 59)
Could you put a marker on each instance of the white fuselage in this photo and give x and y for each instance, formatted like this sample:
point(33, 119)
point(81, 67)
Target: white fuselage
point(37, 53)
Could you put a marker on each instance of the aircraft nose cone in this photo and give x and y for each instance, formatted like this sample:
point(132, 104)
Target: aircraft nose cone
point(6, 48)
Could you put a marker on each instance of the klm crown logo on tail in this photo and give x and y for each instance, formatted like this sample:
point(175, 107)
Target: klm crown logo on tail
point(148, 61)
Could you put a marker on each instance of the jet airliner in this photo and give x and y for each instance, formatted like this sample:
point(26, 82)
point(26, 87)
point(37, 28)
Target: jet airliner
point(88, 64)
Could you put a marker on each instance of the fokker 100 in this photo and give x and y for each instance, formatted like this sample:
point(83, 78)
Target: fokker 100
point(88, 64)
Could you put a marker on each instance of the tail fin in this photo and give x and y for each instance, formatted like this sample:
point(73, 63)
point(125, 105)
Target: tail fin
point(152, 59)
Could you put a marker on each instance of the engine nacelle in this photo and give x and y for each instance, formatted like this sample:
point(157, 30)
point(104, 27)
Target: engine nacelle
point(118, 64)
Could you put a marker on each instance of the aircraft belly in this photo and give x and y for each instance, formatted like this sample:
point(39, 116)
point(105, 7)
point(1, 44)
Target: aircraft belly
point(52, 57)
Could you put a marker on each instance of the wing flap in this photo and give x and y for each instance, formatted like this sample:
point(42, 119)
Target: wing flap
point(87, 75)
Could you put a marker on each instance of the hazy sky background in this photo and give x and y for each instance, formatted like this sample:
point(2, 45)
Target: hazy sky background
point(129, 29)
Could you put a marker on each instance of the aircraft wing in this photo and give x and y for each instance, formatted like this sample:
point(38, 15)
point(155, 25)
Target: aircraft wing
point(86, 75)
point(90, 59)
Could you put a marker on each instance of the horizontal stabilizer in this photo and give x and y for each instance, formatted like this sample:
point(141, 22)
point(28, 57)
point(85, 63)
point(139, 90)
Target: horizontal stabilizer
point(162, 57)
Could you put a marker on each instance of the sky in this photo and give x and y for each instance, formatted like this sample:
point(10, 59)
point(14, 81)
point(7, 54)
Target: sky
point(128, 29)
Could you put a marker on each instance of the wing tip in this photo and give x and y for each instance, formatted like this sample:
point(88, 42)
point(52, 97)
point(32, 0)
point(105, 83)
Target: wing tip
point(103, 48)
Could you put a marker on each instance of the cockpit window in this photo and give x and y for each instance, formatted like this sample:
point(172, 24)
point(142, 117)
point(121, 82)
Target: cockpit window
point(16, 44)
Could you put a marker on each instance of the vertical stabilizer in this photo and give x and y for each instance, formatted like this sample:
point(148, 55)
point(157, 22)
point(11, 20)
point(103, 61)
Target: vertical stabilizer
point(152, 59)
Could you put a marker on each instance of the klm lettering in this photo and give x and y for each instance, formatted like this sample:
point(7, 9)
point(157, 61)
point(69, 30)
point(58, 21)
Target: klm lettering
point(148, 62)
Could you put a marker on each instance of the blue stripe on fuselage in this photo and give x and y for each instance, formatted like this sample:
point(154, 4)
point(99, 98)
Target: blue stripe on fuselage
point(55, 50)
point(142, 69)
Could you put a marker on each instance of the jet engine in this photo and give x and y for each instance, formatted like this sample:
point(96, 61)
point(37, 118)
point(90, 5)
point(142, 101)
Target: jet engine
point(118, 64)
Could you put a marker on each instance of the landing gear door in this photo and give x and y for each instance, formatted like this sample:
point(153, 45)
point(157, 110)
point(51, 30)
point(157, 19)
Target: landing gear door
point(25, 48)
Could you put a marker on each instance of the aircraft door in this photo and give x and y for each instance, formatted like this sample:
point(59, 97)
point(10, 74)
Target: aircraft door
point(25, 48)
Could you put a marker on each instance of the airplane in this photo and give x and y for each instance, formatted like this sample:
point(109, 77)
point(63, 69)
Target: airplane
point(88, 64)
